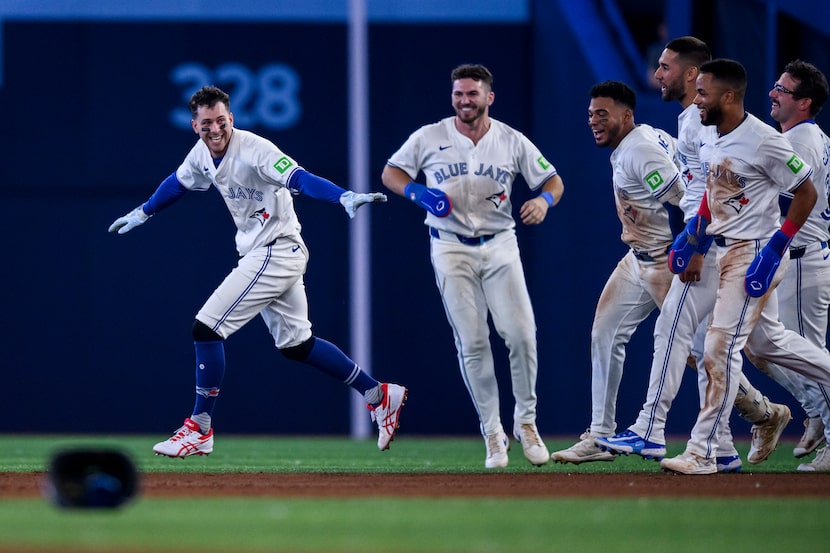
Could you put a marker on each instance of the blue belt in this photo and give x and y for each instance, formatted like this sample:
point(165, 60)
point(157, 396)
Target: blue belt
point(795, 253)
point(644, 256)
point(469, 241)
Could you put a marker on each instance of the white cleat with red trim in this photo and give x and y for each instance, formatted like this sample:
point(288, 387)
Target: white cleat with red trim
point(186, 441)
point(387, 414)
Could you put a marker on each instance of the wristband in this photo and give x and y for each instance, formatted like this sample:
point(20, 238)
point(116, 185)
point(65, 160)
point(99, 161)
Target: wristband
point(548, 197)
point(789, 228)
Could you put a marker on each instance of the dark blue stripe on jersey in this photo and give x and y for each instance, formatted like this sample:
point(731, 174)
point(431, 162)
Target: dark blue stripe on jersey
point(315, 187)
point(165, 195)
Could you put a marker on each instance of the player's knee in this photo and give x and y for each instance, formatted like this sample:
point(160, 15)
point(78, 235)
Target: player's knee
point(299, 352)
point(203, 333)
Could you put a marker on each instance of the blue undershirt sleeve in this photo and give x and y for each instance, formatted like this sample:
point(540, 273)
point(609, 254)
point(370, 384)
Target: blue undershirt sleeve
point(315, 187)
point(165, 195)
point(675, 219)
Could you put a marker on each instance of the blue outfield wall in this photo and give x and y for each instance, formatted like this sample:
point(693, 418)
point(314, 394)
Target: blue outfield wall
point(97, 337)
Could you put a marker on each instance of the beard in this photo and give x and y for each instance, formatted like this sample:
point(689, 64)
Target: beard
point(714, 116)
point(673, 93)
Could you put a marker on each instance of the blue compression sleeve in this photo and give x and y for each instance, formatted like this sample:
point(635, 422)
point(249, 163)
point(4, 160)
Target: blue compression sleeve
point(165, 195)
point(315, 187)
point(676, 222)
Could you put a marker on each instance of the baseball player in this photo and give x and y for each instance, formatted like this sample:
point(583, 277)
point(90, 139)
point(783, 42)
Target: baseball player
point(681, 324)
point(804, 294)
point(647, 192)
point(470, 161)
point(747, 164)
point(256, 180)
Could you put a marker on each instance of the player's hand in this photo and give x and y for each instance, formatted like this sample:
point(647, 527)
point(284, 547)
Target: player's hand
point(693, 269)
point(433, 200)
point(352, 200)
point(533, 211)
point(762, 269)
point(686, 244)
point(129, 221)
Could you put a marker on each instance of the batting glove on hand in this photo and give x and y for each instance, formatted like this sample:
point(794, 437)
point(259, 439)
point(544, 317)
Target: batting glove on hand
point(433, 200)
point(352, 200)
point(762, 269)
point(129, 221)
point(688, 243)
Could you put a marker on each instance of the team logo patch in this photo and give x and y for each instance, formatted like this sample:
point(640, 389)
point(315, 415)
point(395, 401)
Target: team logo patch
point(543, 163)
point(283, 164)
point(795, 164)
point(654, 180)
point(497, 198)
point(260, 215)
point(737, 202)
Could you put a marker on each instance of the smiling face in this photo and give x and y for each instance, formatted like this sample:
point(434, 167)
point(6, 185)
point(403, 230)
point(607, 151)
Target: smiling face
point(214, 125)
point(787, 108)
point(609, 121)
point(708, 99)
point(471, 99)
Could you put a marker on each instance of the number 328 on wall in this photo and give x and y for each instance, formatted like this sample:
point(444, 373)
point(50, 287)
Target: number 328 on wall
point(264, 99)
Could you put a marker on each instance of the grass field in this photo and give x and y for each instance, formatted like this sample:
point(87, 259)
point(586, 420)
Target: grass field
point(416, 525)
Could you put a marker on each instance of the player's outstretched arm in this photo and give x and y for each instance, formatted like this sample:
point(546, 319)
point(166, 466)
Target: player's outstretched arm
point(431, 199)
point(319, 188)
point(166, 194)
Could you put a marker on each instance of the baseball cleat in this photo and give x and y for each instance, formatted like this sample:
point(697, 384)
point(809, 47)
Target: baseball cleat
point(186, 441)
point(820, 464)
point(728, 463)
point(497, 448)
point(387, 413)
point(628, 442)
point(534, 448)
point(812, 438)
point(689, 463)
point(765, 434)
point(584, 451)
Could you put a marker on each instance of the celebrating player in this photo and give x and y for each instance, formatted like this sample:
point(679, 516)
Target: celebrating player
point(747, 164)
point(647, 192)
point(256, 180)
point(690, 299)
point(470, 161)
point(804, 293)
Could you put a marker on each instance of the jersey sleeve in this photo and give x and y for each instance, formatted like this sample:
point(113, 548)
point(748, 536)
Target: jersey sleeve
point(407, 158)
point(658, 172)
point(535, 169)
point(191, 173)
point(784, 167)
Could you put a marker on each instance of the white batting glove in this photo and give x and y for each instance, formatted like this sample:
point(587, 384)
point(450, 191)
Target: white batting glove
point(129, 221)
point(352, 200)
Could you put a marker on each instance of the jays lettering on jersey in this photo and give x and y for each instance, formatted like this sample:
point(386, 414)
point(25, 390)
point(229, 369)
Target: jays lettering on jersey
point(253, 180)
point(478, 178)
point(645, 177)
point(745, 170)
point(813, 146)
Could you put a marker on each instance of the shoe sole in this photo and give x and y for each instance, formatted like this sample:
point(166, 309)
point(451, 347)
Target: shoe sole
point(692, 473)
point(798, 453)
point(605, 456)
point(646, 453)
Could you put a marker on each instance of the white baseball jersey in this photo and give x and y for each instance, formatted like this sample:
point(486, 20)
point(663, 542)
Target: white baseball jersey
point(813, 146)
point(644, 178)
point(252, 178)
point(478, 178)
point(688, 154)
point(743, 184)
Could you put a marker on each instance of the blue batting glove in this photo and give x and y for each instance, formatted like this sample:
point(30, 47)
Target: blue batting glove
point(433, 200)
point(692, 240)
point(762, 269)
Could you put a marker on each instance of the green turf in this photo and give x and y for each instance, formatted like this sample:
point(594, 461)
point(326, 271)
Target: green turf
point(244, 525)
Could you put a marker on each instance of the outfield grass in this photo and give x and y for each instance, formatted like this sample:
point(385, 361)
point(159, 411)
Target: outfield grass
point(403, 525)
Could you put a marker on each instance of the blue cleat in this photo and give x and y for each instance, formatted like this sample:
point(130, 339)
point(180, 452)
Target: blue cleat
point(627, 442)
point(730, 463)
